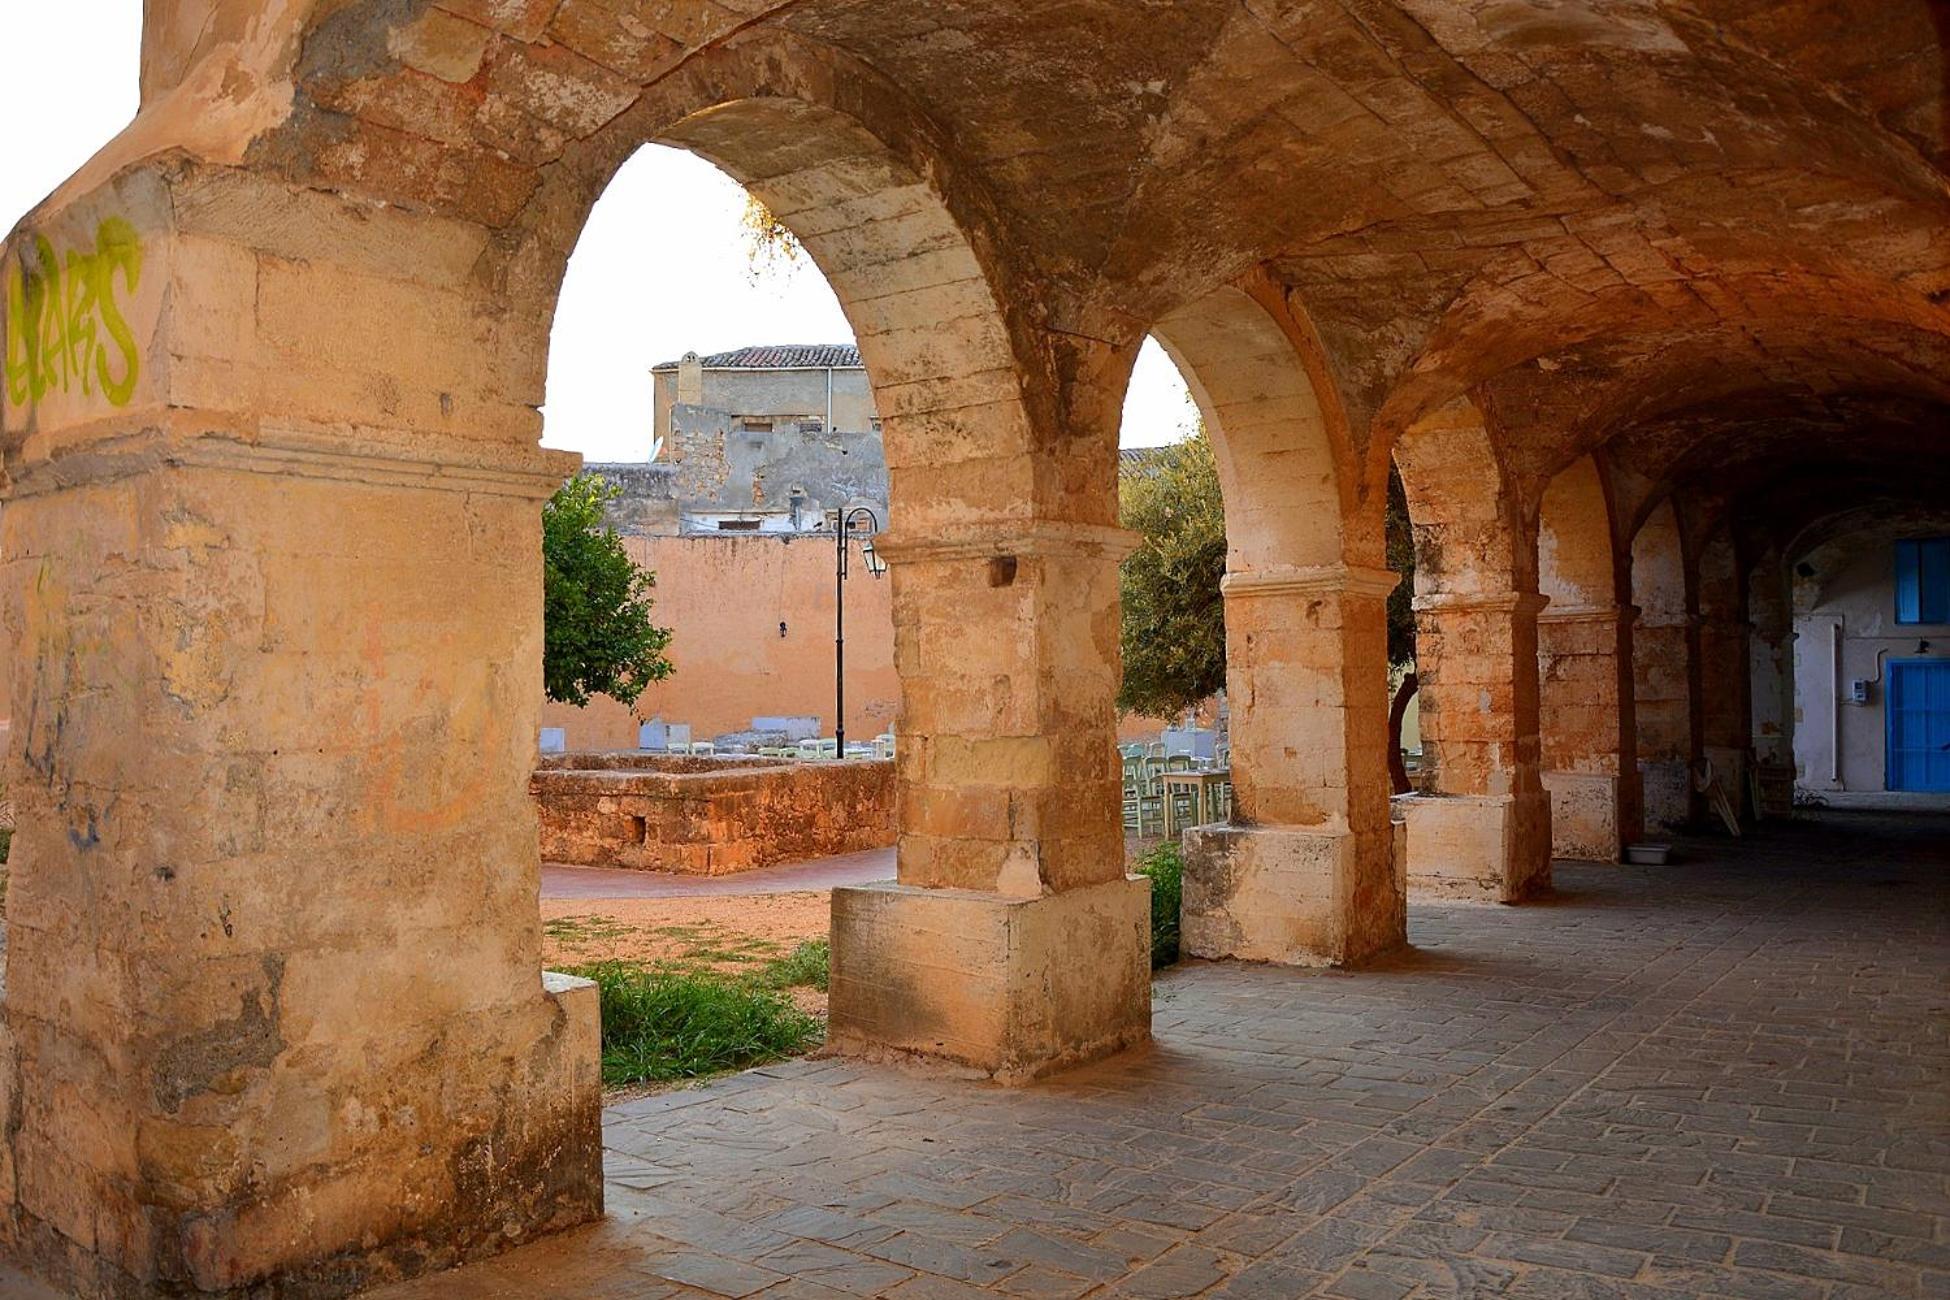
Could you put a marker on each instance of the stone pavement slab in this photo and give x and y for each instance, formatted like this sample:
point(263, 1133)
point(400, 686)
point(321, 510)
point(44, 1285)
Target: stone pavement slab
point(1729, 1076)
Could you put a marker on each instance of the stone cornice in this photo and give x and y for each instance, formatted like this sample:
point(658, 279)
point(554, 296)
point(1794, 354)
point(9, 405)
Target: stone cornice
point(377, 457)
point(1589, 614)
point(1491, 602)
point(1007, 537)
point(1310, 580)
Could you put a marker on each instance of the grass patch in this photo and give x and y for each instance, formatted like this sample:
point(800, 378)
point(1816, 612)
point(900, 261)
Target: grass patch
point(1165, 869)
point(806, 966)
point(660, 1025)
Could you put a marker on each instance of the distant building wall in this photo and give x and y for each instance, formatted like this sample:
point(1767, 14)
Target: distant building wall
point(725, 596)
point(1845, 629)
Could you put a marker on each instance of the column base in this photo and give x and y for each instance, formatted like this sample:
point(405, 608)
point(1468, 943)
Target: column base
point(1584, 816)
point(524, 1160)
point(1488, 848)
point(1016, 988)
point(1288, 895)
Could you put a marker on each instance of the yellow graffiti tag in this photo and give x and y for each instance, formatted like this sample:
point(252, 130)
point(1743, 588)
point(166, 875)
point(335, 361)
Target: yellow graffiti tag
point(65, 329)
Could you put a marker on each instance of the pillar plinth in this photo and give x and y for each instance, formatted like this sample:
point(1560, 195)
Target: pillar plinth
point(1013, 942)
point(1584, 657)
point(1014, 988)
point(1480, 826)
point(1306, 873)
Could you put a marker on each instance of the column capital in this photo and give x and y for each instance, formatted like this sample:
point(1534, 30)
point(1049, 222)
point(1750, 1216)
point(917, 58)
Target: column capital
point(1471, 602)
point(1589, 614)
point(1346, 580)
point(989, 539)
point(386, 458)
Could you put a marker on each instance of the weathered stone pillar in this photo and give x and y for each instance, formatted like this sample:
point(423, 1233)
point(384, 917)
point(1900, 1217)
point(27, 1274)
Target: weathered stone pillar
point(1584, 661)
point(1726, 703)
point(1012, 941)
point(1306, 871)
point(1662, 675)
point(275, 1018)
point(1480, 826)
point(1771, 680)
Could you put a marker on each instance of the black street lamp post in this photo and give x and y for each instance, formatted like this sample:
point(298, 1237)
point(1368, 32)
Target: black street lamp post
point(843, 531)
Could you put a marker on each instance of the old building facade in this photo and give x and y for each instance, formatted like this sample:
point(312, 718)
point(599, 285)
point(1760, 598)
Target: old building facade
point(274, 1013)
point(756, 452)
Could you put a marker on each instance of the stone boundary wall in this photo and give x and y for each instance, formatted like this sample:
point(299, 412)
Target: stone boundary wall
point(708, 815)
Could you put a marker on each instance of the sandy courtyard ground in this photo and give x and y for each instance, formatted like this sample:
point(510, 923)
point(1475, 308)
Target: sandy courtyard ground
point(725, 932)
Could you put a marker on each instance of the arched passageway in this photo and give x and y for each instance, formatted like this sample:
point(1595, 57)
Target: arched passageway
point(272, 367)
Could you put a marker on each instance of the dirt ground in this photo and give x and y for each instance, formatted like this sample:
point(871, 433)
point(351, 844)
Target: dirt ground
point(725, 933)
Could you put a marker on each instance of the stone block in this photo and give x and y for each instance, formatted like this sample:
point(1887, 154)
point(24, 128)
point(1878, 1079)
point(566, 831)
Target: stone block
point(1013, 987)
point(1584, 816)
point(1286, 895)
point(1492, 848)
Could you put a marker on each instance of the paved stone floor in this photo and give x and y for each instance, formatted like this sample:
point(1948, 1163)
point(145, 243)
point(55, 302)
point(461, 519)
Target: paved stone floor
point(563, 881)
point(1725, 1077)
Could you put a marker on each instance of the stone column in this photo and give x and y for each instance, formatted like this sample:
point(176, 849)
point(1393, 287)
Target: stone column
point(1480, 826)
point(1726, 703)
point(1013, 941)
point(1771, 676)
point(1305, 873)
point(1584, 663)
point(275, 1019)
point(1662, 675)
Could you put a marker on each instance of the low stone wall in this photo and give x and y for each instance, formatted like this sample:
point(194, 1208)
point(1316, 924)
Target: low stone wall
point(708, 815)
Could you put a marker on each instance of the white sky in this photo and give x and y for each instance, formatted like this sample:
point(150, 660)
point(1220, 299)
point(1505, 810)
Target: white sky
point(661, 268)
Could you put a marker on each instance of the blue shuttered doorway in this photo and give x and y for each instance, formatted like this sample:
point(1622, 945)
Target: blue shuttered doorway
point(1918, 715)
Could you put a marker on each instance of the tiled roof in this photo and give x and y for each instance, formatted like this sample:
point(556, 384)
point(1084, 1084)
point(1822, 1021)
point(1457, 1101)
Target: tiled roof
point(781, 356)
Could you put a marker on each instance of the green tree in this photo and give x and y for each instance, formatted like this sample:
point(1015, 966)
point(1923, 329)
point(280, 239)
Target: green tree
point(597, 637)
point(1174, 630)
point(770, 246)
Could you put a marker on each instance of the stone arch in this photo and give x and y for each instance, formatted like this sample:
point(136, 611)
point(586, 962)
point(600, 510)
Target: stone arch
point(961, 371)
point(1663, 665)
point(1584, 660)
point(1293, 488)
point(1304, 872)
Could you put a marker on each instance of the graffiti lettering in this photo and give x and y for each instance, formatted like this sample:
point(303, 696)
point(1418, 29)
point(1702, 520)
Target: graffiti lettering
point(65, 329)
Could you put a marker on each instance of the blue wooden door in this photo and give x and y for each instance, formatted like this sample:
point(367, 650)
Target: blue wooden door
point(1918, 709)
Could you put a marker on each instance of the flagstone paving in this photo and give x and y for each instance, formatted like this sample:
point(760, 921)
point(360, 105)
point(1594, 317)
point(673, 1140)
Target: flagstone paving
point(1729, 1076)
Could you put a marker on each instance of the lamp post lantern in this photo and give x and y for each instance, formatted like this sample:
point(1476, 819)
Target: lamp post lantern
point(843, 532)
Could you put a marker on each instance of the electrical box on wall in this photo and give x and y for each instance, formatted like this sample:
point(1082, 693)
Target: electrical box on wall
point(1858, 691)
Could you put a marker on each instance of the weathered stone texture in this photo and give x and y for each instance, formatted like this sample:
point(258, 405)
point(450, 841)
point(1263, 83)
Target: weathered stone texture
point(273, 364)
point(709, 816)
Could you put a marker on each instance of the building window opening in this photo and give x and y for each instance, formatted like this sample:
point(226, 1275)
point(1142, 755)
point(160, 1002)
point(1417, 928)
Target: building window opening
point(1923, 580)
